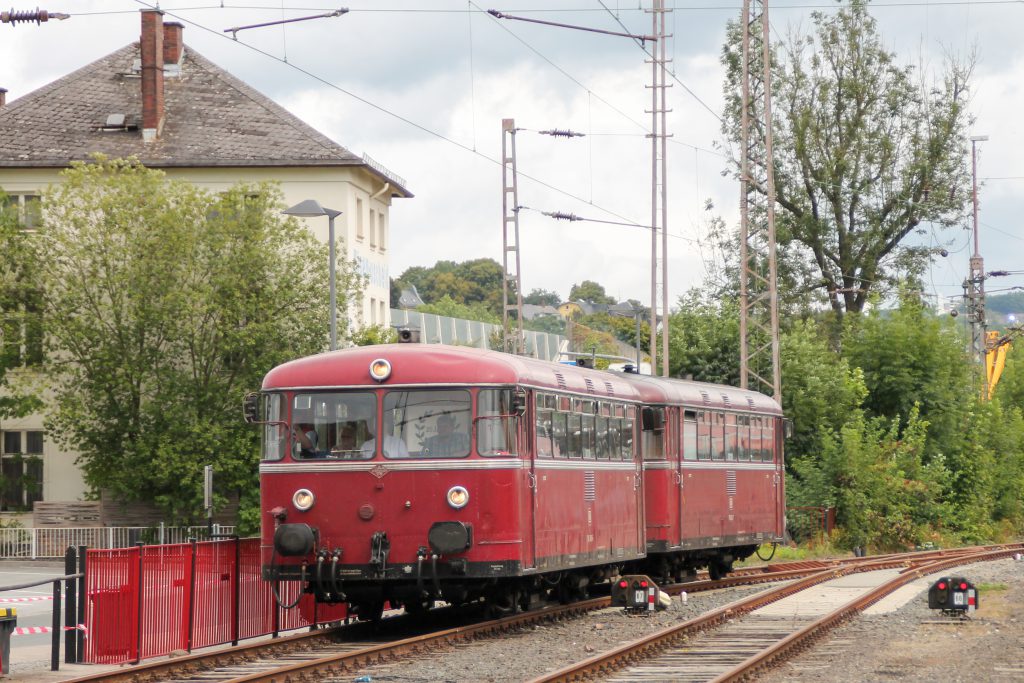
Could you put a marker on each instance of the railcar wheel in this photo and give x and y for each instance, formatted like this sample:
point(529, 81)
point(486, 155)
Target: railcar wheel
point(715, 570)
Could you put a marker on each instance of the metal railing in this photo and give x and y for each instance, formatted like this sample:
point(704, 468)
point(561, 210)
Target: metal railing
point(45, 542)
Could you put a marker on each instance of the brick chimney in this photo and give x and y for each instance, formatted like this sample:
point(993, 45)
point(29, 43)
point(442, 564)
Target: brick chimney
point(152, 48)
point(172, 42)
point(3, 96)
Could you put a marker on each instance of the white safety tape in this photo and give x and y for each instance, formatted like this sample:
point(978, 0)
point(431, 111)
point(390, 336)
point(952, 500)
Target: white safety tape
point(32, 630)
point(34, 598)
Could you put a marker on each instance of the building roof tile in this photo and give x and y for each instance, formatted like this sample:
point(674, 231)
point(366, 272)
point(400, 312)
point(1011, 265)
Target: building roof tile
point(212, 119)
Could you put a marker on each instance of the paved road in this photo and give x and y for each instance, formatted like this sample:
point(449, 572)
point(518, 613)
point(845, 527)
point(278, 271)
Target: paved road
point(38, 613)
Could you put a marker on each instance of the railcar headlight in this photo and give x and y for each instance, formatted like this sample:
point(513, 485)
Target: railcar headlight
point(458, 497)
point(380, 369)
point(303, 499)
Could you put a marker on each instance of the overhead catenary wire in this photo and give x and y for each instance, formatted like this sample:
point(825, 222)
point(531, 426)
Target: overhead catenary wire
point(380, 108)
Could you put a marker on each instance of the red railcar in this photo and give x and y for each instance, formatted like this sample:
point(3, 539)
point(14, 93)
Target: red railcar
point(492, 476)
point(713, 474)
point(408, 473)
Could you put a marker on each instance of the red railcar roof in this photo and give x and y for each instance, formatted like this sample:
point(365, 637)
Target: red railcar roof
point(660, 390)
point(413, 364)
point(417, 364)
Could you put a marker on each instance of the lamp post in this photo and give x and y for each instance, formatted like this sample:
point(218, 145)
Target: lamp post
point(308, 209)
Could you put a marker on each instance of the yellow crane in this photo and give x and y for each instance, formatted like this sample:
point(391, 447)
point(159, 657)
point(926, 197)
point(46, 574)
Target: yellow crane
point(996, 347)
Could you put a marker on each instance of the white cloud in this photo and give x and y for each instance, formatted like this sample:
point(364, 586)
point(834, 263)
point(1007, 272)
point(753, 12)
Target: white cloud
point(418, 65)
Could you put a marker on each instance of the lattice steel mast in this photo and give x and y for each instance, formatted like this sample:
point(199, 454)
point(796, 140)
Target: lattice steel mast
point(512, 328)
point(759, 300)
point(659, 188)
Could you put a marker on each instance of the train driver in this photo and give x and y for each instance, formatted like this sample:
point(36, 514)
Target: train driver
point(306, 437)
point(394, 447)
point(447, 442)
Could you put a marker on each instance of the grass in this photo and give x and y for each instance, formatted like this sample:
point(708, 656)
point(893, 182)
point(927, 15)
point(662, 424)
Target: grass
point(981, 587)
point(785, 553)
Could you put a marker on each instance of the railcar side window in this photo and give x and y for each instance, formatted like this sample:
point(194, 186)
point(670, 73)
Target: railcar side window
point(496, 423)
point(274, 436)
point(627, 438)
point(731, 441)
point(689, 435)
point(717, 436)
point(332, 426)
point(559, 435)
point(654, 433)
point(768, 440)
point(704, 436)
point(602, 449)
point(427, 423)
point(575, 435)
point(545, 448)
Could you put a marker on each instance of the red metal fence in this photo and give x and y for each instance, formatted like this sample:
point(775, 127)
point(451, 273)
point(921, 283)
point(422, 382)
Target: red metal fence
point(149, 601)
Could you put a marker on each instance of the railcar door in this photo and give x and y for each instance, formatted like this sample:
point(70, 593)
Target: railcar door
point(528, 446)
point(780, 475)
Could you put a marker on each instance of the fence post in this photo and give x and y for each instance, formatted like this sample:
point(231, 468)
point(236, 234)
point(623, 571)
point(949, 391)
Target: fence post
point(70, 607)
point(161, 533)
point(34, 530)
point(138, 614)
point(191, 595)
point(110, 537)
point(79, 634)
point(276, 621)
point(236, 606)
point(55, 633)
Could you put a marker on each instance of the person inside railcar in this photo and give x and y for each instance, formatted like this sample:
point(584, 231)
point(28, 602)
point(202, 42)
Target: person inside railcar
point(446, 442)
point(347, 443)
point(394, 447)
point(306, 438)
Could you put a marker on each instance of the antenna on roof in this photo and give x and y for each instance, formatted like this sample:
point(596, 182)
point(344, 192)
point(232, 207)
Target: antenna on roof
point(234, 31)
point(38, 16)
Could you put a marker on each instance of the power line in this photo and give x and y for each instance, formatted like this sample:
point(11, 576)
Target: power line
point(380, 108)
point(651, 55)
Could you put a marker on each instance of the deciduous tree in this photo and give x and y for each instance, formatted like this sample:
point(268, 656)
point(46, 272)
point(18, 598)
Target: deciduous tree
point(165, 304)
point(865, 151)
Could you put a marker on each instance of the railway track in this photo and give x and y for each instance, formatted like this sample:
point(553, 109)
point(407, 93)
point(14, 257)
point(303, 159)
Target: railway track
point(735, 642)
point(346, 649)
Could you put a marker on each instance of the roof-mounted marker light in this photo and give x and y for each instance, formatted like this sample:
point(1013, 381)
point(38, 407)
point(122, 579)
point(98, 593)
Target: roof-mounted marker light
point(380, 369)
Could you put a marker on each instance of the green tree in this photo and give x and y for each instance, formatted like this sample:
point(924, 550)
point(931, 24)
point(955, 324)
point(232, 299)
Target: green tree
point(470, 282)
point(910, 356)
point(542, 297)
point(588, 290)
point(704, 340)
point(864, 153)
point(447, 306)
point(165, 305)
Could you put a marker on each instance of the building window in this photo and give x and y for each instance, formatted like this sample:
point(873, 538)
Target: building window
point(373, 228)
point(373, 311)
point(383, 317)
point(21, 330)
point(24, 207)
point(382, 230)
point(359, 219)
point(21, 470)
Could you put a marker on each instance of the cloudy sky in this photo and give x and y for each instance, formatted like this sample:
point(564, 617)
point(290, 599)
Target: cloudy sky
point(423, 86)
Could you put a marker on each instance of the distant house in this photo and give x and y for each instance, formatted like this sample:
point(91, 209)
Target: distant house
point(574, 309)
point(177, 111)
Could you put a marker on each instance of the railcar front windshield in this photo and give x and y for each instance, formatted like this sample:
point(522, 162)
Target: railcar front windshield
point(429, 423)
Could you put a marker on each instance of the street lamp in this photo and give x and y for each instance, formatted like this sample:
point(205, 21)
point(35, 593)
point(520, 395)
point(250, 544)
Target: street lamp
point(308, 209)
point(628, 310)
